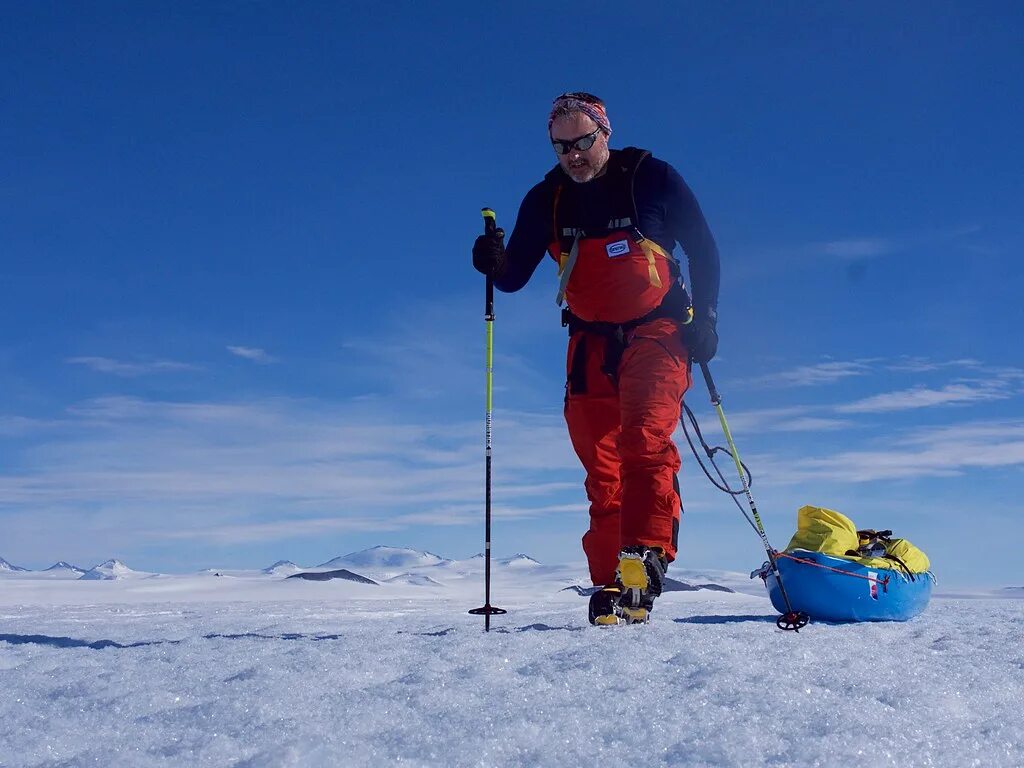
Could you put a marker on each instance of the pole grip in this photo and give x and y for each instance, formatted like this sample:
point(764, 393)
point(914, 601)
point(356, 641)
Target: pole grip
point(490, 227)
point(490, 220)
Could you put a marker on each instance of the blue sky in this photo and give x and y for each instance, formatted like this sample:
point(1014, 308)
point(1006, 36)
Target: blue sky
point(238, 321)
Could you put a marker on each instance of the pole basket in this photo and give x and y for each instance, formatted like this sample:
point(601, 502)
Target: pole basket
point(488, 610)
point(794, 620)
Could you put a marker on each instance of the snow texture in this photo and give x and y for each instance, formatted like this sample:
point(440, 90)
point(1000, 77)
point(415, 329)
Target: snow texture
point(255, 670)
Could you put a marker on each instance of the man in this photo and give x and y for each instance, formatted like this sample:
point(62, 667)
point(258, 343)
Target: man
point(610, 219)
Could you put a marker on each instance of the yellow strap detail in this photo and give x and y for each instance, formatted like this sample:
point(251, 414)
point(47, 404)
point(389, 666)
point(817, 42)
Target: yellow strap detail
point(650, 248)
point(562, 259)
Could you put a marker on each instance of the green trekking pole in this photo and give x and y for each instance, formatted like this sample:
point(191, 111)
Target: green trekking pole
point(793, 620)
point(488, 610)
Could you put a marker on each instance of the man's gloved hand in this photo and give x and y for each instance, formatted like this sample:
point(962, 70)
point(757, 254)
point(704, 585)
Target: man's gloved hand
point(700, 335)
point(489, 253)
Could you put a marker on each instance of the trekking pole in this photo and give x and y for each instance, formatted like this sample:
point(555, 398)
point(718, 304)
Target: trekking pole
point(488, 610)
point(793, 620)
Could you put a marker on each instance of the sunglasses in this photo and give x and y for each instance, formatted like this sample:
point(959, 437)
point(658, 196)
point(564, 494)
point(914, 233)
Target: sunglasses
point(583, 143)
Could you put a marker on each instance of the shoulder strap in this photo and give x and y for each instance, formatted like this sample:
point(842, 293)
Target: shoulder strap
point(629, 160)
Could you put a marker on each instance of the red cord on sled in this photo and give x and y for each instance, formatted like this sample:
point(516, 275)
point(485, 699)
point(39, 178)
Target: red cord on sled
point(884, 582)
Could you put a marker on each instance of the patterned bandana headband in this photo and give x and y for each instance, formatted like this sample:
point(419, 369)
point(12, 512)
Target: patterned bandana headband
point(581, 102)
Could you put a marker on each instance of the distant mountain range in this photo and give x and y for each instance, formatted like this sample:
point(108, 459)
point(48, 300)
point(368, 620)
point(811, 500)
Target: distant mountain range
point(378, 566)
point(105, 571)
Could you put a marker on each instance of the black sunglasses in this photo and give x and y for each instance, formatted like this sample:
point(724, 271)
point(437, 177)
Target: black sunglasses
point(583, 143)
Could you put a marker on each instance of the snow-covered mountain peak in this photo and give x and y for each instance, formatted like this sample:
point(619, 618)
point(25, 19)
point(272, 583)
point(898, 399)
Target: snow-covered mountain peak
point(5, 566)
point(282, 567)
point(111, 570)
point(385, 557)
point(519, 560)
point(62, 565)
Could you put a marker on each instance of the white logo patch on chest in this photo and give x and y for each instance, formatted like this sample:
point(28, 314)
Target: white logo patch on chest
point(618, 248)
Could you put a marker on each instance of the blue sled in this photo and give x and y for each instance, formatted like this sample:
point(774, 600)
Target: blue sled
point(829, 596)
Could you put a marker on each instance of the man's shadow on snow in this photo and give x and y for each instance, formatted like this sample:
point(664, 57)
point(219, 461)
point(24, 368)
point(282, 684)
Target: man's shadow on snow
point(726, 619)
point(99, 645)
point(71, 642)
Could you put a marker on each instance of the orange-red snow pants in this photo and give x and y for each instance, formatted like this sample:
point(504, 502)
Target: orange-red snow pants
point(621, 428)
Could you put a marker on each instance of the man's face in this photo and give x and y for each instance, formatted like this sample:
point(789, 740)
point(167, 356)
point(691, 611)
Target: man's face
point(580, 165)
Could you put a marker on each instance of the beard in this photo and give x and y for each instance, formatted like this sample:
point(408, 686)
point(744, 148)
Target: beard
point(587, 168)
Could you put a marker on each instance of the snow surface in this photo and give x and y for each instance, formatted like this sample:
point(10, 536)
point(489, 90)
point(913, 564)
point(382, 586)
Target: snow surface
point(254, 670)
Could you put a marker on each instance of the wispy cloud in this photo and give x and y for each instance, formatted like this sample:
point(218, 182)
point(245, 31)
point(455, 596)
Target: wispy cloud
point(796, 419)
point(130, 369)
point(925, 397)
point(209, 471)
point(924, 365)
point(987, 382)
point(255, 354)
point(442, 365)
point(863, 248)
point(827, 372)
point(936, 452)
point(858, 248)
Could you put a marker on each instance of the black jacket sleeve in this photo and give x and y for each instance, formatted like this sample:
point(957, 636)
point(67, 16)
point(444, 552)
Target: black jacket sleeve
point(529, 240)
point(686, 224)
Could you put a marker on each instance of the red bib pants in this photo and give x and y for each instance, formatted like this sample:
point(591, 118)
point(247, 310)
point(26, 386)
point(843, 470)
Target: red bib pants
point(621, 428)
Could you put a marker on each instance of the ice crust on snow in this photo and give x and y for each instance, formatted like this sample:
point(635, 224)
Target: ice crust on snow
point(264, 671)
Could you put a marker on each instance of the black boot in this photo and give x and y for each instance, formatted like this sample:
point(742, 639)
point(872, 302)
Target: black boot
point(604, 605)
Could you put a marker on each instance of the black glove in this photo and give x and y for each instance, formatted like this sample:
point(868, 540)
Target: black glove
point(700, 335)
point(489, 253)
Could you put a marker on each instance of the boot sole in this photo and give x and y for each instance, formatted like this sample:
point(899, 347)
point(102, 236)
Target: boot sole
point(633, 573)
point(629, 616)
point(636, 615)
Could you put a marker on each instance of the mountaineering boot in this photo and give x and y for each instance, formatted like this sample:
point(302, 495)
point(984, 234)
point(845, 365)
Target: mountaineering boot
point(604, 605)
point(641, 575)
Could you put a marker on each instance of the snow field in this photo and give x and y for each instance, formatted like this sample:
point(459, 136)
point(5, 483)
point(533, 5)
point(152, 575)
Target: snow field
point(352, 679)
